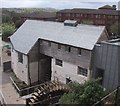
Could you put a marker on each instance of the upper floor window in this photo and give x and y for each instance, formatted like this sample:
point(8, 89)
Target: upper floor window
point(58, 62)
point(110, 16)
point(12, 48)
point(68, 48)
point(59, 46)
point(60, 14)
point(79, 51)
point(20, 57)
point(96, 16)
point(77, 15)
point(82, 71)
point(116, 17)
point(49, 43)
point(68, 14)
point(104, 16)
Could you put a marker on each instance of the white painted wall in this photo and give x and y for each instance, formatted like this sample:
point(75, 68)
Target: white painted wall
point(20, 69)
point(68, 70)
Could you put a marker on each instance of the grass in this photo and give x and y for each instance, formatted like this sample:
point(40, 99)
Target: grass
point(19, 83)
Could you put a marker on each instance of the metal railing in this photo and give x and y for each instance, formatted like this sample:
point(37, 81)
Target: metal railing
point(24, 91)
point(112, 99)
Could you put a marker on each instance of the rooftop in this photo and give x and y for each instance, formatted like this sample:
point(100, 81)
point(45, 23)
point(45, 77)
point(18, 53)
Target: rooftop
point(83, 36)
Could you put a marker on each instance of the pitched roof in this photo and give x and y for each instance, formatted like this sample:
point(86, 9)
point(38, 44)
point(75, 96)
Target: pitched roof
point(91, 11)
point(83, 36)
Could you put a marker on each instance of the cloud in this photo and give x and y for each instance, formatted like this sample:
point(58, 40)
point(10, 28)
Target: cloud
point(59, 4)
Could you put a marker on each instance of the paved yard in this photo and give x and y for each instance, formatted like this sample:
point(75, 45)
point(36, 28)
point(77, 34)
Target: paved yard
point(7, 91)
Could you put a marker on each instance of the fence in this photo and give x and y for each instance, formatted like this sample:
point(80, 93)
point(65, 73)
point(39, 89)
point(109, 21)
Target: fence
point(25, 91)
point(112, 99)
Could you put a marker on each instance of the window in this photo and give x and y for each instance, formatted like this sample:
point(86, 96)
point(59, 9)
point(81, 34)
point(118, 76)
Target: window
point(104, 16)
point(82, 71)
point(79, 51)
point(58, 62)
point(116, 17)
point(59, 46)
point(20, 57)
point(49, 43)
point(12, 48)
point(77, 15)
point(68, 15)
point(110, 17)
point(68, 48)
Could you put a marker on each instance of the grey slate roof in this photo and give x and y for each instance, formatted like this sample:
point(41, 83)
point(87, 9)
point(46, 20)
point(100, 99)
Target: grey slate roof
point(84, 36)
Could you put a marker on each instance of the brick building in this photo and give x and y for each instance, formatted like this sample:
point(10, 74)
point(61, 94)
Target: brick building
point(106, 15)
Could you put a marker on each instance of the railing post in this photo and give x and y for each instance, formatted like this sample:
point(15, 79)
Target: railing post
point(116, 97)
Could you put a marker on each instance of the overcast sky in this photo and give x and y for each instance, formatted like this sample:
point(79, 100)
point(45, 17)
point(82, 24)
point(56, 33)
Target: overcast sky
point(58, 4)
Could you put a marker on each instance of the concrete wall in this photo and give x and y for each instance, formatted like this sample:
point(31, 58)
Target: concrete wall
point(104, 36)
point(20, 69)
point(105, 57)
point(71, 57)
point(71, 61)
point(39, 65)
point(67, 70)
point(33, 64)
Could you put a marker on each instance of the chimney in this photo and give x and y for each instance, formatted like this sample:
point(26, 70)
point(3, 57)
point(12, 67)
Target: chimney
point(70, 23)
point(114, 7)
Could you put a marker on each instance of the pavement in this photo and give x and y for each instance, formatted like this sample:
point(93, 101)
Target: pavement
point(7, 91)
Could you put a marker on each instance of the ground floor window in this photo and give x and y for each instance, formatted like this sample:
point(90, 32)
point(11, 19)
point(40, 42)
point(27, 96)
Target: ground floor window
point(20, 57)
point(82, 71)
point(58, 62)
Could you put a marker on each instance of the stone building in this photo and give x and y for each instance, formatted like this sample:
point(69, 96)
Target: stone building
point(44, 50)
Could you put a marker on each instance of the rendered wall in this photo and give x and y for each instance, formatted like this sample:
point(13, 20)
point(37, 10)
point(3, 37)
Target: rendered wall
point(68, 70)
point(20, 69)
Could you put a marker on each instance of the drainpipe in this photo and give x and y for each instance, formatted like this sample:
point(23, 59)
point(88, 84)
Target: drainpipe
point(29, 70)
point(38, 60)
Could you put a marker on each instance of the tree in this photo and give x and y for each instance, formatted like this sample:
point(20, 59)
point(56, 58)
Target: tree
point(18, 23)
point(6, 19)
point(7, 30)
point(83, 94)
point(115, 28)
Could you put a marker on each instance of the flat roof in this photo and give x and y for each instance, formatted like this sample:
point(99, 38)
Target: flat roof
point(83, 36)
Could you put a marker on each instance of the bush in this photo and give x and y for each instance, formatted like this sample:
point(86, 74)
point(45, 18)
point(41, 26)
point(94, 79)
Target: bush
point(83, 94)
point(7, 30)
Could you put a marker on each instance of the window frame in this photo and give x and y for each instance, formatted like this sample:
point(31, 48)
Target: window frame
point(20, 57)
point(59, 46)
point(49, 43)
point(82, 71)
point(68, 48)
point(79, 51)
point(58, 62)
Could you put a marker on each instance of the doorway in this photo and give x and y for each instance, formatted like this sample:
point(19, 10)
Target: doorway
point(100, 74)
